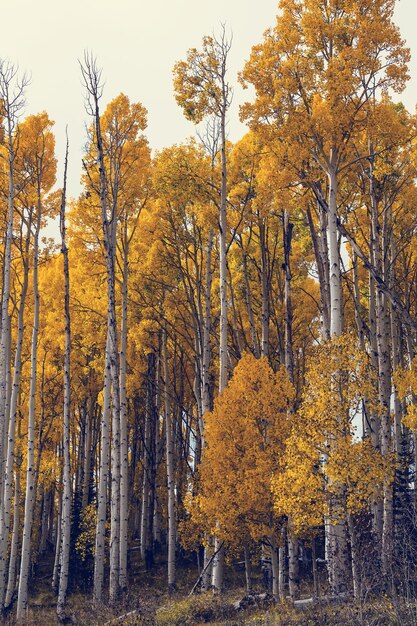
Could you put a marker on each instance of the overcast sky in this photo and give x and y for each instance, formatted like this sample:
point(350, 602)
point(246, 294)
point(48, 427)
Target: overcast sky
point(136, 43)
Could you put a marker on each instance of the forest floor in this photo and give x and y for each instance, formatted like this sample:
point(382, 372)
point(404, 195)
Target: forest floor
point(147, 602)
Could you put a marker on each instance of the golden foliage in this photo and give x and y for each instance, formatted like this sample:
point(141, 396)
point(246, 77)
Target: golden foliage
point(324, 459)
point(244, 438)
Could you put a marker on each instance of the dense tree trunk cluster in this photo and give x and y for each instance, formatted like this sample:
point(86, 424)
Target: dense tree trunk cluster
point(221, 360)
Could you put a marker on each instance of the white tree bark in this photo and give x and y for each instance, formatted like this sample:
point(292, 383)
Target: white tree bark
point(10, 455)
point(12, 98)
point(30, 469)
point(124, 478)
point(92, 78)
point(100, 540)
point(55, 572)
point(218, 562)
point(336, 543)
point(11, 583)
point(335, 277)
point(66, 478)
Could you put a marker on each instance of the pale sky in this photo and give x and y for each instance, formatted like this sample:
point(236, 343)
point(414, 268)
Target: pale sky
point(136, 43)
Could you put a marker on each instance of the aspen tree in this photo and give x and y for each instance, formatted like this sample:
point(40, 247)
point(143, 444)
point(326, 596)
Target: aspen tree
point(115, 150)
point(41, 166)
point(11, 583)
point(92, 80)
point(201, 89)
point(245, 437)
point(10, 456)
point(12, 96)
point(30, 469)
point(294, 73)
point(66, 479)
point(99, 553)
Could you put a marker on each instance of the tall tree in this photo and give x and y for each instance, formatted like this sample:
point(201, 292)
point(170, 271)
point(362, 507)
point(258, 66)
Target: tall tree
point(201, 89)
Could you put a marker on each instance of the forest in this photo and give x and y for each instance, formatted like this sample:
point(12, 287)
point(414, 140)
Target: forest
point(208, 378)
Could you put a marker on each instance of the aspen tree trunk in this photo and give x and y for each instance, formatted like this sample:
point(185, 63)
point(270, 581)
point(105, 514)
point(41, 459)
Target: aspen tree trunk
point(275, 568)
point(264, 289)
point(66, 476)
point(172, 532)
point(248, 568)
point(380, 257)
point(207, 564)
point(375, 421)
point(355, 559)
point(4, 341)
point(11, 583)
point(100, 542)
point(218, 561)
point(356, 295)
point(223, 263)
point(293, 568)
point(197, 387)
point(85, 488)
point(159, 449)
point(336, 543)
point(114, 589)
point(55, 572)
point(395, 343)
point(281, 563)
point(265, 315)
point(321, 254)
point(254, 336)
point(124, 468)
point(30, 468)
point(148, 490)
point(206, 394)
point(8, 389)
point(385, 394)
point(375, 424)
point(92, 76)
point(150, 554)
point(12, 101)
point(236, 332)
point(325, 263)
point(289, 354)
point(335, 277)
point(367, 410)
point(10, 456)
point(316, 586)
point(44, 517)
point(144, 540)
point(78, 447)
